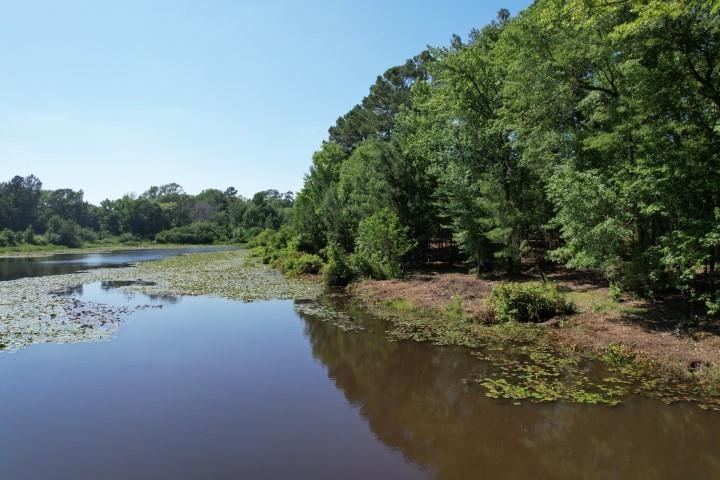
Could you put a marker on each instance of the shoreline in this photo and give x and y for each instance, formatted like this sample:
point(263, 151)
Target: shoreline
point(446, 308)
point(442, 308)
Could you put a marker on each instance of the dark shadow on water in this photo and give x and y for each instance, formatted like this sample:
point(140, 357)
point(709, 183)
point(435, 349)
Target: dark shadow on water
point(413, 399)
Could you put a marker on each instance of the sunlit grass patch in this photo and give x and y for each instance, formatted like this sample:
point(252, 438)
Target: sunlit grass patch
point(399, 304)
point(599, 301)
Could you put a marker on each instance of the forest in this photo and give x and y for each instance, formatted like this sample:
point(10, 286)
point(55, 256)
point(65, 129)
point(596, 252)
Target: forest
point(30, 215)
point(583, 133)
point(580, 133)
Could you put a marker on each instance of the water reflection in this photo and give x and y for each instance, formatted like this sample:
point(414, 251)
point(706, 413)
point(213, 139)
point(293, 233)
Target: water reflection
point(212, 388)
point(412, 398)
point(113, 292)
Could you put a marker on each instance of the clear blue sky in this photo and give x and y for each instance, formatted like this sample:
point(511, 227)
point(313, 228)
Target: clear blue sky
point(115, 96)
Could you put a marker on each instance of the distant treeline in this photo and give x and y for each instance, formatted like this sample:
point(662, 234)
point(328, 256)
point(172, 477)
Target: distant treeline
point(31, 215)
point(583, 132)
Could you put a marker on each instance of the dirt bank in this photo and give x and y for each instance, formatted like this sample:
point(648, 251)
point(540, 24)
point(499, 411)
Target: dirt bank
point(660, 333)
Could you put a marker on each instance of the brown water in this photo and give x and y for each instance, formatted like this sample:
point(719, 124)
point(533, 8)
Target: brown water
point(211, 388)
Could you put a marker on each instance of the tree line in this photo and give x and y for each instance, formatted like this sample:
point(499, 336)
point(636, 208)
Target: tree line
point(583, 132)
point(167, 214)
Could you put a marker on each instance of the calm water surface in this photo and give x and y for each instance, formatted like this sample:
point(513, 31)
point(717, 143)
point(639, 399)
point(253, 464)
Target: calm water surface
point(12, 268)
point(211, 388)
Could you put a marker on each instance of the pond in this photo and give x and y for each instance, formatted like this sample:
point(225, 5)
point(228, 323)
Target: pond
point(12, 268)
point(201, 387)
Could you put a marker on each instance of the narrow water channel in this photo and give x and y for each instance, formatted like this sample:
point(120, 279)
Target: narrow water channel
point(12, 268)
point(198, 387)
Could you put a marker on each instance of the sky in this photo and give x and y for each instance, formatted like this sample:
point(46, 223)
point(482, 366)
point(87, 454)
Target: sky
point(112, 97)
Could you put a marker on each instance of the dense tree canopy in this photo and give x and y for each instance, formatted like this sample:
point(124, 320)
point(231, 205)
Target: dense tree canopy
point(579, 131)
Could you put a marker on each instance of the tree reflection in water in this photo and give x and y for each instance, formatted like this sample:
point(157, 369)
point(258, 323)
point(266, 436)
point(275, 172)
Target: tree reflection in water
point(414, 401)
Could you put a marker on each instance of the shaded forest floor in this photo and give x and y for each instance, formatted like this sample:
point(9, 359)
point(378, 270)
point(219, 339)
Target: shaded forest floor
point(663, 333)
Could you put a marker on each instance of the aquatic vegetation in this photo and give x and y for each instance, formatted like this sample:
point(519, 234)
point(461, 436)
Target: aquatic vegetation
point(326, 313)
point(29, 315)
point(618, 355)
point(538, 373)
point(41, 309)
point(230, 274)
point(450, 326)
point(523, 366)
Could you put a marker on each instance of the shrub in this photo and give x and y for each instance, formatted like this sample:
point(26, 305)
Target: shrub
point(195, 233)
point(279, 248)
point(28, 236)
point(381, 244)
point(527, 302)
point(7, 238)
point(127, 238)
point(88, 235)
point(274, 239)
point(305, 263)
point(245, 235)
point(337, 271)
point(65, 232)
point(615, 292)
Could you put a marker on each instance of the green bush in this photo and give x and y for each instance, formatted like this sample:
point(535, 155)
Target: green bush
point(245, 235)
point(7, 238)
point(279, 248)
point(615, 292)
point(527, 302)
point(40, 240)
point(337, 271)
point(381, 245)
point(65, 232)
point(305, 263)
point(195, 233)
point(28, 236)
point(127, 238)
point(88, 235)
